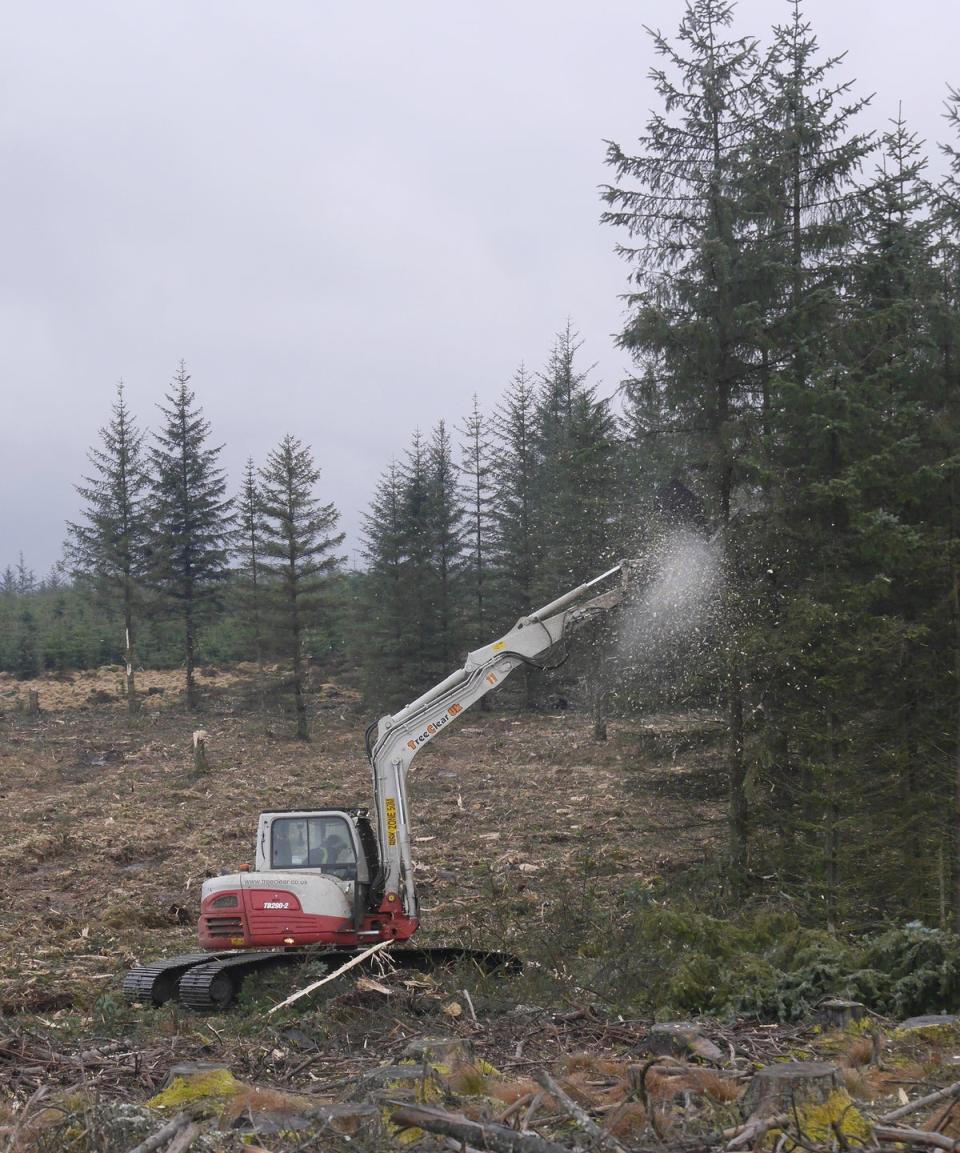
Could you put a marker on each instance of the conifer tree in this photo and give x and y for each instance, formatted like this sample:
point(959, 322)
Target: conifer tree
point(190, 517)
point(445, 526)
point(574, 442)
point(248, 548)
point(476, 471)
point(382, 622)
point(26, 577)
point(848, 659)
point(108, 546)
point(803, 162)
point(688, 209)
point(417, 621)
point(299, 556)
point(947, 335)
point(413, 546)
point(515, 478)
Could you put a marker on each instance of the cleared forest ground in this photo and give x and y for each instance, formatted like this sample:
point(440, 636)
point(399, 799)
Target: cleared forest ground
point(111, 830)
point(528, 836)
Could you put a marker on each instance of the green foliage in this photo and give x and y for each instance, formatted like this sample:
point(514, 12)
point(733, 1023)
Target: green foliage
point(414, 600)
point(108, 547)
point(297, 542)
point(678, 961)
point(190, 518)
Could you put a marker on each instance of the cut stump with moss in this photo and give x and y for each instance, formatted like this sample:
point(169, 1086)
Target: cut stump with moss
point(840, 1014)
point(811, 1105)
point(780, 1088)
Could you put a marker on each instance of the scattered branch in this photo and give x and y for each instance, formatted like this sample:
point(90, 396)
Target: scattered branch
point(747, 1135)
point(481, 1135)
point(582, 1118)
point(330, 976)
point(915, 1137)
point(164, 1134)
point(921, 1103)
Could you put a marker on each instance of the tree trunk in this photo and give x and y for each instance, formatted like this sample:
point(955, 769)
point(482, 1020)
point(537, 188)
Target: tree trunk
point(955, 822)
point(831, 822)
point(128, 649)
point(189, 641)
point(303, 729)
point(737, 779)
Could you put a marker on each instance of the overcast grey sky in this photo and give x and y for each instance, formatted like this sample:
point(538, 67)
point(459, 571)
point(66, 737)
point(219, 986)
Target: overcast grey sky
point(347, 218)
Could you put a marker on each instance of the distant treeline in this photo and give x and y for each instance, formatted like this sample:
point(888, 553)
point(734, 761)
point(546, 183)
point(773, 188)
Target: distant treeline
point(794, 320)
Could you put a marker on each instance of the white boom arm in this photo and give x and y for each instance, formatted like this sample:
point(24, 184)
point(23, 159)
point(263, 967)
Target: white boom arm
point(401, 736)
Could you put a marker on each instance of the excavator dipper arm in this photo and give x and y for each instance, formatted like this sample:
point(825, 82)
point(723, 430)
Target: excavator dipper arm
point(400, 737)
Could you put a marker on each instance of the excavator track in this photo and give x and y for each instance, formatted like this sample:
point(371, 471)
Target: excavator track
point(215, 985)
point(211, 982)
point(158, 982)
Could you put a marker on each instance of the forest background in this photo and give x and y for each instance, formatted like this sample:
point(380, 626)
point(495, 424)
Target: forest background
point(783, 461)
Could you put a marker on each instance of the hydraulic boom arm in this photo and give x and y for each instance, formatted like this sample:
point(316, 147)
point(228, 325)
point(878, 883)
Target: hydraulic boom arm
point(400, 737)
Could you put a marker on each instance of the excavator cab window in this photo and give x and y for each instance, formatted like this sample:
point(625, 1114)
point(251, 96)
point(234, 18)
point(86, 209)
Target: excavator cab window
point(314, 843)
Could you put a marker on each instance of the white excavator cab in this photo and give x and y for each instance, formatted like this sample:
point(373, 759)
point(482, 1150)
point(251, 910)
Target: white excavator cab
point(334, 842)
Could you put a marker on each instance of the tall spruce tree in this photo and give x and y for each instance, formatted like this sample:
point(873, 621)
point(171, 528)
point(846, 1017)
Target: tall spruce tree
point(249, 580)
point(190, 517)
point(299, 556)
point(445, 526)
point(476, 473)
point(574, 441)
point(804, 159)
point(688, 207)
point(107, 548)
point(417, 619)
point(514, 515)
point(381, 623)
point(413, 543)
point(803, 165)
point(852, 649)
point(947, 332)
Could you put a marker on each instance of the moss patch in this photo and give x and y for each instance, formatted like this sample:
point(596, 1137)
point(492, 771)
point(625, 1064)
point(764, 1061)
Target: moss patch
point(216, 1086)
point(821, 1124)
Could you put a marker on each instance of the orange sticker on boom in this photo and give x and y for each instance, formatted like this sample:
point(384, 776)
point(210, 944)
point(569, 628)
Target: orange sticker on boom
point(390, 805)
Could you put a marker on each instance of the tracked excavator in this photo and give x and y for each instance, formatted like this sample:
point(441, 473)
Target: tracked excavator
point(328, 883)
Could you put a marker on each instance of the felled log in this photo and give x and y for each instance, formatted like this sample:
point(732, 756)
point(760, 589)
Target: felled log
point(681, 1039)
point(481, 1135)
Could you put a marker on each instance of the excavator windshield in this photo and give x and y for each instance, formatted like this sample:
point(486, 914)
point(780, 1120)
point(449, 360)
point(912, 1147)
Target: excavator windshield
point(321, 843)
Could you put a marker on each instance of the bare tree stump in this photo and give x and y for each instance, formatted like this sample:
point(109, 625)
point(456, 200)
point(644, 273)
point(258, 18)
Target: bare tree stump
point(838, 1014)
point(200, 750)
point(32, 708)
point(781, 1088)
